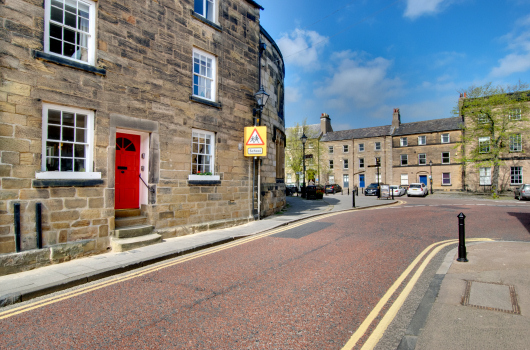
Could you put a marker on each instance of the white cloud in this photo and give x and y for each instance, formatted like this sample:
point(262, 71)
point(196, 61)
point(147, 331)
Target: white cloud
point(302, 48)
point(358, 81)
point(418, 8)
point(292, 94)
point(518, 43)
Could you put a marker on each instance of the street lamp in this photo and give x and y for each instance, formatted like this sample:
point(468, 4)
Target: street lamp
point(304, 140)
point(377, 163)
point(430, 164)
point(261, 98)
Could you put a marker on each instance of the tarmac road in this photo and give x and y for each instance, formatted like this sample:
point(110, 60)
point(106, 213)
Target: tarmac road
point(309, 285)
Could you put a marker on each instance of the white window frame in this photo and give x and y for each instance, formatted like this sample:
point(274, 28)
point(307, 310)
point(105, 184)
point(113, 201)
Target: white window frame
point(448, 138)
point(448, 158)
point(484, 140)
point(91, 34)
point(443, 179)
point(516, 173)
point(211, 154)
point(424, 159)
point(331, 163)
point(515, 114)
point(213, 16)
point(89, 148)
point(345, 148)
point(403, 159)
point(404, 179)
point(484, 176)
point(482, 119)
point(345, 164)
point(361, 147)
point(361, 162)
point(377, 146)
point(516, 143)
point(330, 149)
point(422, 140)
point(403, 142)
point(213, 78)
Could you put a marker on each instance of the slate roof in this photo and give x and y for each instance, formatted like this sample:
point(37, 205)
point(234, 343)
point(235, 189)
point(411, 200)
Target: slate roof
point(312, 131)
point(426, 126)
point(422, 127)
point(357, 133)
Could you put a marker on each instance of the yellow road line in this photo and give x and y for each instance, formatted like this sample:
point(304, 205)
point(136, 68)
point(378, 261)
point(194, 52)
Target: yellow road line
point(378, 332)
point(172, 262)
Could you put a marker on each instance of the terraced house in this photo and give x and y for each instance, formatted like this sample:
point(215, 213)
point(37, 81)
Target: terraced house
point(121, 123)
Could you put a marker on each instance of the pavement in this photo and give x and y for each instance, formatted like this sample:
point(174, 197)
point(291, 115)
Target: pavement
point(480, 304)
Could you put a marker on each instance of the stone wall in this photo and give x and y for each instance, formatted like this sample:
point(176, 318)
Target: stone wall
point(141, 83)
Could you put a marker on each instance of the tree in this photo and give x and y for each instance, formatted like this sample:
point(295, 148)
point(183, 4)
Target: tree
point(294, 150)
point(494, 120)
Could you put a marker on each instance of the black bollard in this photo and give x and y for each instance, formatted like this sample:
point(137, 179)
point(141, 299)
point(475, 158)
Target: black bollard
point(462, 254)
point(392, 190)
point(16, 210)
point(348, 191)
point(353, 199)
point(38, 224)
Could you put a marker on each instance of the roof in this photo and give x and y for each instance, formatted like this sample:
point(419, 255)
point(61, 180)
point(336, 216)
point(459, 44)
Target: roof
point(429, 126)
point(255, 4)
point(357, 133)
point(422, 127)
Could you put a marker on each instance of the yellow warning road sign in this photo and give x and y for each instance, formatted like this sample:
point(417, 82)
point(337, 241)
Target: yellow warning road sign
point(255, 141)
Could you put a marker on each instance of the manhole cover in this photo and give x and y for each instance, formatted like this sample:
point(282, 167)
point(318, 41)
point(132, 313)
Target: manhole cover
point(491, 296)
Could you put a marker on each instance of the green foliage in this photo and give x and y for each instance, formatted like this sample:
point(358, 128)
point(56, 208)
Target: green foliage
point(496, 115)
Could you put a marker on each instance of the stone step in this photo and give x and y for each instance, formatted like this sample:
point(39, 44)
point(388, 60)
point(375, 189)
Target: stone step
point(125, 244)
point(121, 222)
point(121, 213)
point(133, 231)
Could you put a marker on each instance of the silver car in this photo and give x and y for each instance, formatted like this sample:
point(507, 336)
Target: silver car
point(522, 192)
point(398, 191)
point(417, 189)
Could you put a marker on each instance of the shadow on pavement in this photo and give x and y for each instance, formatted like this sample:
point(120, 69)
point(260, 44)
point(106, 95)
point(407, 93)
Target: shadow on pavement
point(523, 218)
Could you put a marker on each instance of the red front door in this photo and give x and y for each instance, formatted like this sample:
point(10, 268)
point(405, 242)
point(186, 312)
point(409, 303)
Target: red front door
point(127, 171)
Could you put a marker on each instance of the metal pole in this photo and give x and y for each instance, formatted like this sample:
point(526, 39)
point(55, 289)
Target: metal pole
point(430, 163)
point(253, 185)
point(303, 171)
point(462, 254)
point(259, 194)
point(38, 224)
point(378, 187)
point(16, 210)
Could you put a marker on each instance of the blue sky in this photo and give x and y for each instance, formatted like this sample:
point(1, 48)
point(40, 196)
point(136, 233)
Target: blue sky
point(357, 60)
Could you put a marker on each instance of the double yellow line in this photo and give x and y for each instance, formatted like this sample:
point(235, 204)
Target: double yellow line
point(87, 289)
point(378, 332)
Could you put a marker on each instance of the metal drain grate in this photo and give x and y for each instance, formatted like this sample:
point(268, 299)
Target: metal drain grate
point(491, 296)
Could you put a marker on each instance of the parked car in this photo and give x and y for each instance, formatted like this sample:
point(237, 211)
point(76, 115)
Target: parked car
point(372, 189)
point(417, 189)
point(290, 189)
point(315, 192)
point(522, 192)
point(398, 191)
point(333, 188)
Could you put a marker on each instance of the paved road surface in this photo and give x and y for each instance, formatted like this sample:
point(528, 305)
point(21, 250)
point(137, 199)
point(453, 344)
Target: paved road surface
point(305, 286)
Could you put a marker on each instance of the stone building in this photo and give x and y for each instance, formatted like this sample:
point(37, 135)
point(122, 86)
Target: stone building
point(107, 106)
point(397, 154)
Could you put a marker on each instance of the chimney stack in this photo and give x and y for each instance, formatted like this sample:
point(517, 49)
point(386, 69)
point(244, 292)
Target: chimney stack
point(396, 118)
point(325, 124)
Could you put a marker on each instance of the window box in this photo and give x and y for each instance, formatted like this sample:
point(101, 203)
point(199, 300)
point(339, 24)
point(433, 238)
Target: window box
point(204, 177)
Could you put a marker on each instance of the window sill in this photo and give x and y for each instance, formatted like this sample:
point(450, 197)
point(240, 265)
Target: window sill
point(206, 21)
point(63, 175)
point(67, 183)
point(204, 177)
point(69, 63)
point(447, 184)
point(205, 101)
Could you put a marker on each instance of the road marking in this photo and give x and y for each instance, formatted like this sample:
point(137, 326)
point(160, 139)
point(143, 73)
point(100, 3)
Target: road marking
point(172, 262)
point(378, 332)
